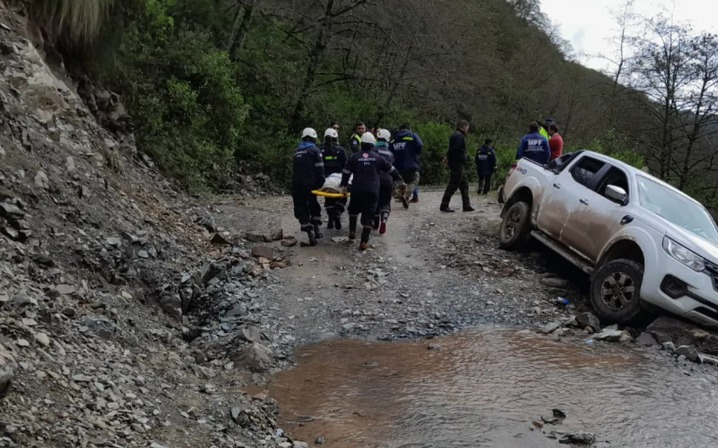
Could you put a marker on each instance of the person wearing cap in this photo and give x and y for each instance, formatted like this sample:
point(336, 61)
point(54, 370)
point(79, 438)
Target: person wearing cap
point(335, 157)
point(534, 146)
point(307, 175)
point(366, 165)
point(555, 143)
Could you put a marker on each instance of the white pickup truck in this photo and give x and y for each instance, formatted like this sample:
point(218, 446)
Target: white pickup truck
point(641, 241)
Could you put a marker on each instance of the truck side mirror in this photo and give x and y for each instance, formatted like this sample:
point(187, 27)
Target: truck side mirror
point(617, 194)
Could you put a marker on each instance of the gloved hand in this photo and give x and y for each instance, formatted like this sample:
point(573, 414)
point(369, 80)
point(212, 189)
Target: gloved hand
point(343, 191)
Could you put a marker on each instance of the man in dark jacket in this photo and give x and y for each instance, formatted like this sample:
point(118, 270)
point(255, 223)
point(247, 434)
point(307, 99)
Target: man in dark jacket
point(335, 157)
point(485, 166)
point(367, 166)
point(308, 175)
point(534, 146)
point(406, 147)
point(457, 159)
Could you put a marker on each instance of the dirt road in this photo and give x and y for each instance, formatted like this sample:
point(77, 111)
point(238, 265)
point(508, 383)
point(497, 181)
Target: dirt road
point(430, 274)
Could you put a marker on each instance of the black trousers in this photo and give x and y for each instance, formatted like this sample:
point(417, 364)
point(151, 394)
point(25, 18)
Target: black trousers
point(333, 205)
point(306, 207)
point(364, 203)
point(484, 183)
point(457, 181)
point(386, 190)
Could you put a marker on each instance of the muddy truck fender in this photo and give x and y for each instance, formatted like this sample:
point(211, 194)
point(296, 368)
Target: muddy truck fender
point(526, 183)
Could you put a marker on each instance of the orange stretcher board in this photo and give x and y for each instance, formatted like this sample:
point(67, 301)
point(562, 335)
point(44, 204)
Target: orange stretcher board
point(327, 194)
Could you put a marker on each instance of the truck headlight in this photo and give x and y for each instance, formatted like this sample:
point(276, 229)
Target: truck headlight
point(683, 254)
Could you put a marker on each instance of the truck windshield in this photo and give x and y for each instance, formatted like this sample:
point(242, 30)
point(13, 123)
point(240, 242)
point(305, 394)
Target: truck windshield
point(675, 208)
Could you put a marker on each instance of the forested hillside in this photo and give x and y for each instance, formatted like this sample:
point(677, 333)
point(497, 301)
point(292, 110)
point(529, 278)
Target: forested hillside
point(211, 85)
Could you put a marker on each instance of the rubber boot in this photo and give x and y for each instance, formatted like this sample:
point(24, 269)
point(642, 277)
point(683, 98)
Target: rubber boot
point(317, 233)
point(312, 238)
point(353, 227)
point(364, 243)
point(338, 220)
point(330, 216)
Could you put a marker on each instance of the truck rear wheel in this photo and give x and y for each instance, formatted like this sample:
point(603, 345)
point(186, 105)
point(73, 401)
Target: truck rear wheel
point(616, 292)
point(515, 226)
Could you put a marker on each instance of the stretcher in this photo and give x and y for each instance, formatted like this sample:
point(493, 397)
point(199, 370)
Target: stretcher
point(329, 194)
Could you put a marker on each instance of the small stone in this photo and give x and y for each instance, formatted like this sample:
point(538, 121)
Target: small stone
point(647, 340)
point(220, 240)
point(289, 242)
point(65, 290)
point(588, 319)
point(70, 164)
point(263, 252)
point(143, 254)
point(43, 339)
point(255, 237)
point(113, 241)
point(320, 440)
point(22, 343)
point(41, 180)
point(689, 352)
point(300, 445)
point(276, 234)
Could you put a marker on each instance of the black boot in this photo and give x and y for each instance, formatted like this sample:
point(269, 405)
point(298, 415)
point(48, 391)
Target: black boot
point(375, 226)
point(338, 221)
point(353, 227)
point(317, 233)
point(312, 238)
point(364, 243)
point(330, 218)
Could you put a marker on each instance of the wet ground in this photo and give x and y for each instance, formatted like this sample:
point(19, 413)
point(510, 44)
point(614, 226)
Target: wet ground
point(485, 388)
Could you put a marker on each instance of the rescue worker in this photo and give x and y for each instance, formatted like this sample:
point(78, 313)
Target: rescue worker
point(386, 183)
point(367, 166)
point(335, 157)
point(406, 147)
point(355, 139)
point(485, 166)
point(308, 175)
point(457, 159)
point(534, 146)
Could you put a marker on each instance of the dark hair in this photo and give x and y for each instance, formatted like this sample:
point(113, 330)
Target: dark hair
point(461, 124)
point(359, 123)
point(534, 126)
point(334, 123)
point(487, 141)
point(405, 126)
point(553, 127)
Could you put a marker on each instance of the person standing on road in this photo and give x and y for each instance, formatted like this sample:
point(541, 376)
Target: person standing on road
point(406, 147)
point(386, 183)
point(555, 143)
point(534, 146)
point(355, 139)
point(307, 175)
point(335, 157)
point(485, 166)
point(457, 159)
point(367, 166)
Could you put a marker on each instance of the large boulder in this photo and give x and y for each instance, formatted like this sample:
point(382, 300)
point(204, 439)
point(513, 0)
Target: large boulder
point(8, 369)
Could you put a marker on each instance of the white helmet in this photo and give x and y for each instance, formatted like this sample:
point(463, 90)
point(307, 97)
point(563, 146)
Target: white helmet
point(368, 138)
point(331, 132)
point(383, 134)
point(309, 132)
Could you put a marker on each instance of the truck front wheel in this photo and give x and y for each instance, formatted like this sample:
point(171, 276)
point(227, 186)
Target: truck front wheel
point(616, 292)
point(515, 226)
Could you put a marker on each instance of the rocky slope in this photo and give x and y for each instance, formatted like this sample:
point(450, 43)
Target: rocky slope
point(100, 262)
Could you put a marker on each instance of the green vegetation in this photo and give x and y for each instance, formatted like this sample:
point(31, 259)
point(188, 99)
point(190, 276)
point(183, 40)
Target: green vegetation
point(216, 84)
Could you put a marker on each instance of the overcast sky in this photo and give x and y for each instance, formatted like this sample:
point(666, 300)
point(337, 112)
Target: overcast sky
point(589, 24)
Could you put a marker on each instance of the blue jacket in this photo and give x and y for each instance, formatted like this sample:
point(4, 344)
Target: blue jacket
point(308, 167)
point(406, 147)
point(535, 147)
point(485, 160)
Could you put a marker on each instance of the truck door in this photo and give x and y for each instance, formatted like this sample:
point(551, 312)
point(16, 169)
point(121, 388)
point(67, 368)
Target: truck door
point(563, 195)
point(589, 228)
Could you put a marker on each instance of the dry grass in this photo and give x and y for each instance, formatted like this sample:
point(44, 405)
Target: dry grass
point(78, 21)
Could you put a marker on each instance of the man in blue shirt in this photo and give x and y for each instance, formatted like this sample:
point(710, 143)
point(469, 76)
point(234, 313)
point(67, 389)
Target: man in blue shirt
point(534, 146)
point(406, 147)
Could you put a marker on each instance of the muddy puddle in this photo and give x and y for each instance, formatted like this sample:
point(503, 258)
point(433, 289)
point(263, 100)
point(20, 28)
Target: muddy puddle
point(485, 388)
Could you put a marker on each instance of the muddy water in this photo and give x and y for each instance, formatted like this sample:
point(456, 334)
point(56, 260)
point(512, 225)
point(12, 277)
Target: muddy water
point(484, 389)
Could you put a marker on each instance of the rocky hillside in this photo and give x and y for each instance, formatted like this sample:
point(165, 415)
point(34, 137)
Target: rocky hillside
point(101, 262)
